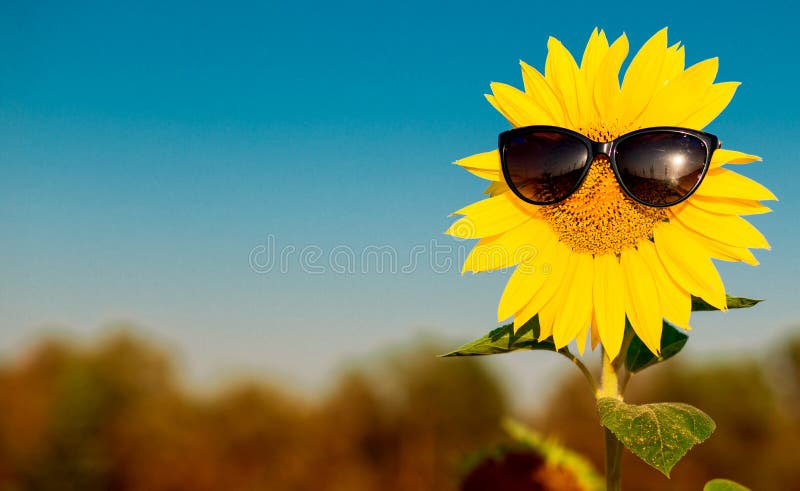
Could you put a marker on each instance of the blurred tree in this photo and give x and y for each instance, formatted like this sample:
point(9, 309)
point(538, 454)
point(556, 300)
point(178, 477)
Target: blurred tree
point(113, 417)
point(447, 409)
point(787, 361)
point(263, 439)
point(409, 421)
point(358, 437)
point(27, 391)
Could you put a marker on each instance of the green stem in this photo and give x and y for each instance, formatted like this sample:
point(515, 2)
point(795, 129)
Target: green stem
point(623, 351)
point(578, 363)
point(613, 462)
point(623, 383)
point(610, 388)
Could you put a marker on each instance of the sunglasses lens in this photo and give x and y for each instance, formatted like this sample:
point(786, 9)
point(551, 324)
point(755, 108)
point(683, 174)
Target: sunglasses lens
point(661, 168)
point(544, 166)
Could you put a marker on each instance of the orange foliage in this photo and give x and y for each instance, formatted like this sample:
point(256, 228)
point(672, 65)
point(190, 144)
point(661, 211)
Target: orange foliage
point(114, 417)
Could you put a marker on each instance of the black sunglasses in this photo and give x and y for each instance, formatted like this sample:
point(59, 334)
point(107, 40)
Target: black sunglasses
point(657, 167)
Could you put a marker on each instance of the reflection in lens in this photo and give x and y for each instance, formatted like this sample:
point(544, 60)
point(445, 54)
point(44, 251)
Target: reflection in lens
point(661, 168)
point(543, 166)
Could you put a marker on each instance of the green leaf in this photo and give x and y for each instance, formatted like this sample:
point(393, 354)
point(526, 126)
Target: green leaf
point(723, 485)
point(640, 357)
point(660, 434)
point(505, 340)
point(698, 304)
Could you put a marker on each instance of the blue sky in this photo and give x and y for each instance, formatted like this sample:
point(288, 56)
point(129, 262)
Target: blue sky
point(147, 150)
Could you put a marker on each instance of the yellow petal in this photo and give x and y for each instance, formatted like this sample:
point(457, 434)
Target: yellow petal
point(594, 334)
point(673, 63)
point(549, 313)
point(576, 310)
point(529, 279)
point(541, 293)
point(643, 77)
point(728, 206)
point(518, 107)
point(580, 339)
point(671, 67)
point(688, 264)
point(728, 229)
point(496, 187)
point(606, 86)
point(720, 250)
point(491, 216)
point(485, 165)
point(715, 101)
point(608, 294)
point(537, 88)
point(681, 96)
point(520, 244)
point(642, 303)
point(730, 253)
point(562, 74)
point(593, 55)
point(676, 303)
point(723, 156)
point(592, 60)
point(724, 183)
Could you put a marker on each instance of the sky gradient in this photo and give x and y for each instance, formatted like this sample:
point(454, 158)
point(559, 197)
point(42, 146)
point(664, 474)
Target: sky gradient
point(148, 151)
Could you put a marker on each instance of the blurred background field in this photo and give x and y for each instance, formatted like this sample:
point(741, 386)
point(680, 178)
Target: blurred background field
point(113, 414)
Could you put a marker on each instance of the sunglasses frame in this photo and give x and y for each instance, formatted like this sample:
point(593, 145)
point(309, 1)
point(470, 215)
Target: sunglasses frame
point(596, 148)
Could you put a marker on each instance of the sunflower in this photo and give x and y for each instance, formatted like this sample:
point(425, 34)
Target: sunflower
point(586, 264)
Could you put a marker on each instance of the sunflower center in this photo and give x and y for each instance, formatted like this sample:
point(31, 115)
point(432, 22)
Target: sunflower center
point(599, 218)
